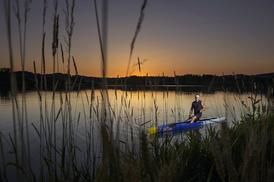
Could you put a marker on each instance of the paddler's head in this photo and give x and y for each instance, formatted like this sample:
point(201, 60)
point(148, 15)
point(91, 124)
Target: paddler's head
point(197, 97)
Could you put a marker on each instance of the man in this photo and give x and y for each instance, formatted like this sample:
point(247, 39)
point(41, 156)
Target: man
point(197, 107)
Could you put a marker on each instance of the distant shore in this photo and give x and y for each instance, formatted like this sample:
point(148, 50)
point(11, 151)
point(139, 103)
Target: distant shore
point(206, 83)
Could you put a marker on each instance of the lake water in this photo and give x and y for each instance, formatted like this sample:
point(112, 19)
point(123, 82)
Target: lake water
point(132, 107)
point(129, 111)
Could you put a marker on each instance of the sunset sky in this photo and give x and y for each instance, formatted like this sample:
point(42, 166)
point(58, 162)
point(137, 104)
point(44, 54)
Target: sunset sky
point(186, 36)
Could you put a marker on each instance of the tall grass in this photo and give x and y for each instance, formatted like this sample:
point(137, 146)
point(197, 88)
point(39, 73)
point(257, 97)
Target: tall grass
point(137, 30)
point(113, 146)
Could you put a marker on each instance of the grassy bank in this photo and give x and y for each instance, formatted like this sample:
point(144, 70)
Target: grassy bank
point(243, 152)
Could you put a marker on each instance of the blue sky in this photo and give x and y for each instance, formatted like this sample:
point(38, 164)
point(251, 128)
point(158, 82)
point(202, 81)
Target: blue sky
point(186, 36)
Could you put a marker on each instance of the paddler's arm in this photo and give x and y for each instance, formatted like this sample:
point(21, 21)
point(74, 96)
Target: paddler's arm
point(203, 107)
point(191, 111)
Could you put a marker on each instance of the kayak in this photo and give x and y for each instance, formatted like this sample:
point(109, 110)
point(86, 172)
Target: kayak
point(184, 126)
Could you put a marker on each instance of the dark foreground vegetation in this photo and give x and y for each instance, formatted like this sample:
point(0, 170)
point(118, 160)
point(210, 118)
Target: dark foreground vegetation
point(243, 152)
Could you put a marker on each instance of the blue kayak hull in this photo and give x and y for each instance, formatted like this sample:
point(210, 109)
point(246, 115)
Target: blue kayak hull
point(184, 126)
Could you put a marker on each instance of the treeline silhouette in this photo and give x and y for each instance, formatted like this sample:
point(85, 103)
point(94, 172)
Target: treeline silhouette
point(206, 83)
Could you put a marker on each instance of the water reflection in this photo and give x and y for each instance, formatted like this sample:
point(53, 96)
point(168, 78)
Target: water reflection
point(4, 94)
point(137, 108)
point(129, 110)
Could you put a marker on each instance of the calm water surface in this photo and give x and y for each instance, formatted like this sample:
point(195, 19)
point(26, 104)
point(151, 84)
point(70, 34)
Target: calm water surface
point(132, 107)
point(129, 111)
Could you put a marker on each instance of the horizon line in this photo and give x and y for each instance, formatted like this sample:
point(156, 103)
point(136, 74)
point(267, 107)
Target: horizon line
point(147, 75)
